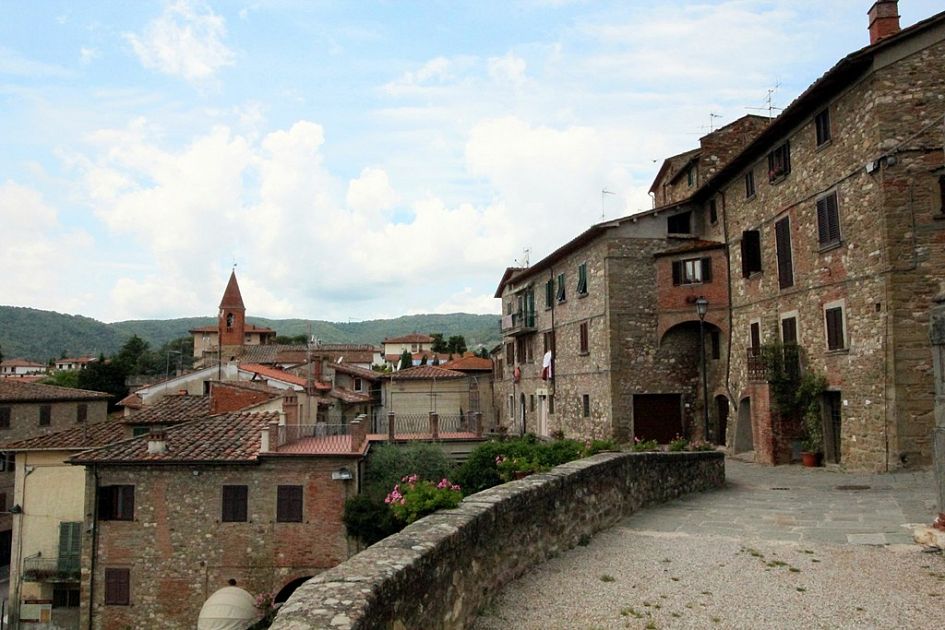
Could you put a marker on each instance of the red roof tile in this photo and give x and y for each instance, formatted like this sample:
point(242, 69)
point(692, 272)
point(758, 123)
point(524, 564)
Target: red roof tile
point(423, 371)
point(469, 363)
point(695, 245)
point(80, 437)
point(21, 363)
point(172, 409)
point(411, 338)
point(230, 437)
point(354, 370)
point(15, 390)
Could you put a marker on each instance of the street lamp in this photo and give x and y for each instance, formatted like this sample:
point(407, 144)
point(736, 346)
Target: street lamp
point(702, 306)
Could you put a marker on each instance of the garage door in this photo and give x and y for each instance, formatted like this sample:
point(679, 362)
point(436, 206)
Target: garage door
point(657, 417)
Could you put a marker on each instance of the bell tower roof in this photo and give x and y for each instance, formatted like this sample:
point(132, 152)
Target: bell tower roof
point(232, 299)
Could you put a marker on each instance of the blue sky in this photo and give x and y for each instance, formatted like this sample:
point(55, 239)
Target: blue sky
point(357, 160)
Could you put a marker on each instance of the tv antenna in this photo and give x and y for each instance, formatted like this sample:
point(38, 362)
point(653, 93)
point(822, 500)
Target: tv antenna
point(603, 193)
point(712, 118)
point(524, 260)
point(769, 101)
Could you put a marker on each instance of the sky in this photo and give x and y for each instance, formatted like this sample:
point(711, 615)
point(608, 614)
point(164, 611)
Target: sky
point(358, 160)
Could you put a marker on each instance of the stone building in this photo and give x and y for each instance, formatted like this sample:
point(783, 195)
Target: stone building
point(173, 516)
point(835, 234)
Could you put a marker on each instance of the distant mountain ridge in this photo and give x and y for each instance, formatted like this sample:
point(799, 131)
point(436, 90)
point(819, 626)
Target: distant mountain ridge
point(41, 335)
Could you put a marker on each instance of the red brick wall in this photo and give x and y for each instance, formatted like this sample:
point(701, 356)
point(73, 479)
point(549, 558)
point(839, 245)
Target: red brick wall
point(225, 398)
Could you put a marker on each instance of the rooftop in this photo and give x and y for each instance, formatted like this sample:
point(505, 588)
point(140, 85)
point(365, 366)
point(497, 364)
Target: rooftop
point(79, 437)
point(17, 391)
point(172, 409)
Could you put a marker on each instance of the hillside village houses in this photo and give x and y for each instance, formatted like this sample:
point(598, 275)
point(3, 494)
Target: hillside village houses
point(19, 367)
point(822, 230)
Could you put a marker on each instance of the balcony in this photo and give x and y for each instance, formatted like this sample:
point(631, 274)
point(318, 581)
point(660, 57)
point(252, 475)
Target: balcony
point(521, 323)
point(785, 360)
point(40, 569)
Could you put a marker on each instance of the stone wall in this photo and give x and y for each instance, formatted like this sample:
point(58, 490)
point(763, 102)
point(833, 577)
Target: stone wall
point(438, 572)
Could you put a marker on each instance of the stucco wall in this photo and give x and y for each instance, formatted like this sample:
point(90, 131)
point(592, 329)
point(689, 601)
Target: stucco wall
point(438, 572)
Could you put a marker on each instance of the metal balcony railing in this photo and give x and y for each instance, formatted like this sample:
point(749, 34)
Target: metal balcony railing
point(518, 323)
point(51, 569)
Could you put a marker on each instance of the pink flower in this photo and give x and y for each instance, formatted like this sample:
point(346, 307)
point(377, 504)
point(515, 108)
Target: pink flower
point(444, 483)
point(455, 487)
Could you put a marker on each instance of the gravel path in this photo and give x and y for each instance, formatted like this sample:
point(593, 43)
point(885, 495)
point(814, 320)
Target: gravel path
point(632, 579)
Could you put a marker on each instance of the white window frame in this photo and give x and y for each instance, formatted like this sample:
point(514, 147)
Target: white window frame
point(842, 305)
point(797, 319)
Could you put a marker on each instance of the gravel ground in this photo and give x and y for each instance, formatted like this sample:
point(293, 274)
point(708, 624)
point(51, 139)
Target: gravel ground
point(642, 579)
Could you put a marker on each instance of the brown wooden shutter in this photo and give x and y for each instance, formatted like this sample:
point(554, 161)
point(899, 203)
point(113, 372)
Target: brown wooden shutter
point(126, 496)
point(835, 340)
point(289, 504)
point(755, 339)
point(234, 504)
point(782, 234)
point(677, 272)
point(117, 587)
point(789, 330)
point(833, 219)
point(706, 270)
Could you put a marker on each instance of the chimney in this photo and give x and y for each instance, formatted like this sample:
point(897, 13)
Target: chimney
point(290, 409)
point(884, 20)
point(157, 441)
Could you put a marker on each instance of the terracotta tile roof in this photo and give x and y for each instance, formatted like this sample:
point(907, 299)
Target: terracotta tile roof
point(24, 378)
point(79, 360)
point(469, 363)
point(418, 356)
point(325, 445)
point(276, 374)
point(354, 370)
point(411, 338)
point(423, 371)
point(274, 353)
point(230, 437)
point(18, 362)
point(79, 437)
point(348, 396)
point(132, 401)
point(205, 329)
point(695, 245)
point(213, 328)
point(257, 386)
point(15, 390)
point(172, 409)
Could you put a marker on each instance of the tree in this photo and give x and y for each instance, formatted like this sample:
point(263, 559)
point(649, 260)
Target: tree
point(104, 377)
point(438, 344)
point(456, 345)
point(436, 359)
point(1, 354)
point(63, 378)
point(406, 359)
point(131, 357)
point(423, 360)
point(483, 353)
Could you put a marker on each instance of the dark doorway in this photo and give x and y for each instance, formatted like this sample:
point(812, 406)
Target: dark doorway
point(6, 545)
point(832, 421)
point(289, 588)
point(721, 414)
point(523, 406)
point(744, 441)
point(657, 417)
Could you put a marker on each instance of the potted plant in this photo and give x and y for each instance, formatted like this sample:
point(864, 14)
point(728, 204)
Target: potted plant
point(809, 391)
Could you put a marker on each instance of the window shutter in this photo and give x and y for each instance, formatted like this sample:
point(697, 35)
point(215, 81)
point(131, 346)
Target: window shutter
point(833, 219)
point(789, 330)
point(106, 502)
point(755, 339)
point(117, 587)
point(127, 498)
point(289, 504)
point(69, 545)
point(834, 318)
point(706, 269)
point(677, 272)
point(549, 293)
point(782, 234)
point(823, 233)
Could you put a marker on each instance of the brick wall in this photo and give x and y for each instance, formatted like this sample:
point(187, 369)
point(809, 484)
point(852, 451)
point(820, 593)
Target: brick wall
point(178, 552)
point(439, 571)
point(225, 397)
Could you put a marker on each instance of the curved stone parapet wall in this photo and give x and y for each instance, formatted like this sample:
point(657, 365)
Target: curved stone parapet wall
point(439, 571)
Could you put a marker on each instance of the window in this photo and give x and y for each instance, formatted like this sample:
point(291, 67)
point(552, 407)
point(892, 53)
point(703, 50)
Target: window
point(511, 406)
point(716, 339)
point(755, 339)
point(524, 350)
point(548, 342)
point(116, 503)
point(65, 597)
point(582, 279)
point(45, 415)
point(7, 462)
point(751, 252)
point(117, 587)
point(822, 126)
point(510, 354)
point(81, 412)
point(779, 162)
point(3, 501)
point(749, 184)
point(792, 358)
point(679, 223)
point(828, 220)
point(561, 293)
point(5, 414)
point(358, 384)
point(941, 194)
point(789, 330)
point(531, 403)
point(70, 545)
point(549, 293)
point(586, 405)
point(498, 369)
point(690, 177)
point(247, 338)
point(713, 212)
point(584, 338)
point(138, 431)
point(289, 504)
point(229, 321)
point(692, 271)
point(234, 504)
point(834, 322)
point(782, 237)
point(551, 403)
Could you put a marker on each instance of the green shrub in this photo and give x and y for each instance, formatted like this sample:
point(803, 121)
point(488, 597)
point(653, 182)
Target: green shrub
point(387, 464)
point(481, 470)
point(414, 498)
point(599, 446)
point(643, 446)
point(678, 443)
point(559, 452)
point(369, 519)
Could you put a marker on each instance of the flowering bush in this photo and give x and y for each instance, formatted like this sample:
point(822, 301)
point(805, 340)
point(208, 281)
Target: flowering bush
point(592, 447)
point(642, 446)
point(414, 498)
point(517, 467)
point(678, 443)
point(264, 601)
point(700, 445)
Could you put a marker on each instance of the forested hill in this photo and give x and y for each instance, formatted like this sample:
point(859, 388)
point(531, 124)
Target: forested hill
point(40, 335)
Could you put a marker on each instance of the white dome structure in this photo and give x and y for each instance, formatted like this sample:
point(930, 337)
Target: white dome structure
point(230, 608)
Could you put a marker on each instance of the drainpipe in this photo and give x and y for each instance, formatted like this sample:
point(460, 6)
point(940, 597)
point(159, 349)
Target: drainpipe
point(94, 550)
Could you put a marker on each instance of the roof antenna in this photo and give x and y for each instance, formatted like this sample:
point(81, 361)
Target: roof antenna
point(769, 101)
point(603, 192)
point(712, 118)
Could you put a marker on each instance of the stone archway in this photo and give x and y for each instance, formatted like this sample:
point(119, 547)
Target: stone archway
point(289, 588)
point(744, 440)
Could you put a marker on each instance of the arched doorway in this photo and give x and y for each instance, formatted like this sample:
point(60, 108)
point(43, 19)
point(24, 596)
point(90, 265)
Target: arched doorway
point(721, 419)
point(744, 441)
point(289, 588)
point(523, 407)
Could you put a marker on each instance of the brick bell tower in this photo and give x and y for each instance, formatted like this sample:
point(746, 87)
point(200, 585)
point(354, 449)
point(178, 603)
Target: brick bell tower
point(232, 321)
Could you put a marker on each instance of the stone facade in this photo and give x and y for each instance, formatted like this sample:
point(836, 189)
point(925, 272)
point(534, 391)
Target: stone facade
point(883, 272)
point(439, 571)
point(177, 550)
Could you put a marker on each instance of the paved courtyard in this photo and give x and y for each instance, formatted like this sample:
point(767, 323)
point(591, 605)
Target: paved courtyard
point(776, 548)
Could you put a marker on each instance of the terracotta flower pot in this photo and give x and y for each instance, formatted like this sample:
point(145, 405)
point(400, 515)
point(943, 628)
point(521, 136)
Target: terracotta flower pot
point(811, 460)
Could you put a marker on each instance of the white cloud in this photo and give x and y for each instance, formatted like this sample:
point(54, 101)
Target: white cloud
point(13, 63)
point(186, 40)
point(371, 192)
point(466, 301)
point(88, 55)
point(507, 69)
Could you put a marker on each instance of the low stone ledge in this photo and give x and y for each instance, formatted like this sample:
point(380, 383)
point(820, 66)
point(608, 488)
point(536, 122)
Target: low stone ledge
point(439, 571)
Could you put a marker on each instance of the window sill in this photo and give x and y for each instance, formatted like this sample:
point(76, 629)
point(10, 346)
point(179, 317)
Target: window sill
point(823, 145)
point(751, 197)
point(829, 247)
point(837, 351)
point(777, 180)
point(562, 301)
point(582, 295)
point(753, 275)
point(584, 354)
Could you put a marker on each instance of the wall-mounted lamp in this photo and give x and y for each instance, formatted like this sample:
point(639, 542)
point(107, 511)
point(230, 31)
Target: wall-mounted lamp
point(342, 474)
